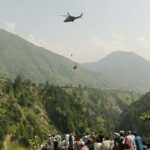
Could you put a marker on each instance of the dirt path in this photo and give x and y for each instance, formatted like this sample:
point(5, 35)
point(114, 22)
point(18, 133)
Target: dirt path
point(7, 139)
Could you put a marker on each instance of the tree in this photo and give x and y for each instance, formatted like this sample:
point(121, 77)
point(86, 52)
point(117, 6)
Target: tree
point(145, 115)
point(17, 84)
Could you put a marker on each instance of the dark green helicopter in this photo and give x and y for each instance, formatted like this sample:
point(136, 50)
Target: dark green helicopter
point(70, 18)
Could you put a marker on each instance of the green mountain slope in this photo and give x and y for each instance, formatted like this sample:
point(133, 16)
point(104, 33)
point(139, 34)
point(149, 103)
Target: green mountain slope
point(20, 57)
point(28, 109)
point(22, 114)
point(131, 118)
point(131, 70)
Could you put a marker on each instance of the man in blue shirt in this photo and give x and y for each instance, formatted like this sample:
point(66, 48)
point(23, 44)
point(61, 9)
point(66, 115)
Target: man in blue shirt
point(138, 141)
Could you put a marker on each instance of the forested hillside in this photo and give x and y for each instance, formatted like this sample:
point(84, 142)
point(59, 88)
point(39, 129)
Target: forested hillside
point(28, 109)
point(22, 115)
point(136, 116)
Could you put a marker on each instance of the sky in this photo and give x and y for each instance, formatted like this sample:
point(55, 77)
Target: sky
point(106, 26)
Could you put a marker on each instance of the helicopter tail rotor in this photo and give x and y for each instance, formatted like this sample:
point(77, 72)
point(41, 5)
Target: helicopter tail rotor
point(81, 14)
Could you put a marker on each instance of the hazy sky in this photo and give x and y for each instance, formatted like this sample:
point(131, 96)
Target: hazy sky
point(106, 26)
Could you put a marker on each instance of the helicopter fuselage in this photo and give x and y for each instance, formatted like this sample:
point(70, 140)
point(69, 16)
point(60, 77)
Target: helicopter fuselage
point(71, 18)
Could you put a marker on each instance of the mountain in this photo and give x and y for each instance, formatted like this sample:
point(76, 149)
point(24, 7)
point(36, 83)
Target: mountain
point(127, 67)
point(20, 57)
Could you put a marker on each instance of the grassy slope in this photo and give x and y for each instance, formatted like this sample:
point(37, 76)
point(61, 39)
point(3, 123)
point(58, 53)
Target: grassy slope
point(27, 114)
point(119, 100)
point(13, 145)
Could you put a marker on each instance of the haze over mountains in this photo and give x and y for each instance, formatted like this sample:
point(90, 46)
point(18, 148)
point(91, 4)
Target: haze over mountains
point(20, 57)
point(126, 67)
point(119, 70)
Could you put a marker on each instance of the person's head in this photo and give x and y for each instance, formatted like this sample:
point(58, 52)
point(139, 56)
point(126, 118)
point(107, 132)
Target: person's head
point(87, 133)
point(122, 133)
point(98, 140)
point(106, 138)
point(82, 143)
point(70, 133)
point(129, 133)
point(89, 141)
point(84, 134)
point(116, 135)
point(135, 133)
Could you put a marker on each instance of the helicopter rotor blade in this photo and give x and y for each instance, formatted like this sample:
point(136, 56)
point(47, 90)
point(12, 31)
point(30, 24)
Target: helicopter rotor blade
point(68, 14)
point(63, 16)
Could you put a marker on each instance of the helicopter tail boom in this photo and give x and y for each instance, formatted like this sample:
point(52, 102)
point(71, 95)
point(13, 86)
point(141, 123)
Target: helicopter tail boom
point(81, 15)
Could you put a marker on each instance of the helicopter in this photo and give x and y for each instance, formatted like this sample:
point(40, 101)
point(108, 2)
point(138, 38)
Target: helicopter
point(70, 18)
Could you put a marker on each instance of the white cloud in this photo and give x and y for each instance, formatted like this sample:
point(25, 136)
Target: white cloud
point(55, 47)
point(144, 42)
point(98, 43)
point(117, 42)
point(101, 47)
point(38, 42)
point(96, 47)
point(10, 26)
point(42, 42)
point(116, 36)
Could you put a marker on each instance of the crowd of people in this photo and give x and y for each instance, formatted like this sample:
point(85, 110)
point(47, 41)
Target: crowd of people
point(119, 141)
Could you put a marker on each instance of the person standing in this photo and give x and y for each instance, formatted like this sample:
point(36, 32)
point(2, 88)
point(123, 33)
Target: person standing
point(106, 144)
point(71, 142)
point(129, 141)
point(138, 141)
point(121, 139)
point(67, 141)
point(97, 144)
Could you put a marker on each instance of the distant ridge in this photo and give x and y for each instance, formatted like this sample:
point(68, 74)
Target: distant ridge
point(20, 57)
point(127, 67)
